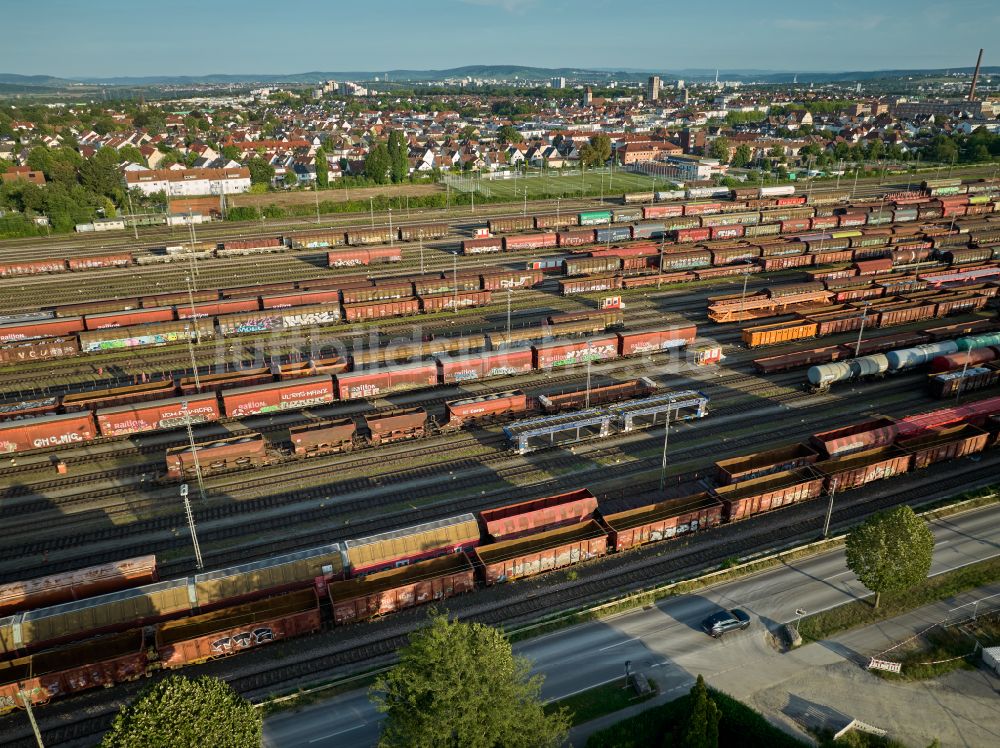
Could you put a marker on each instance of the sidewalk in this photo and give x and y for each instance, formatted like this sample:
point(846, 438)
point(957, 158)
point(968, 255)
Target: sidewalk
point(826, 683)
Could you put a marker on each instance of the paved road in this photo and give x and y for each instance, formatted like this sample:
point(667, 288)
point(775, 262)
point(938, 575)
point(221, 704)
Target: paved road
point(665, 640)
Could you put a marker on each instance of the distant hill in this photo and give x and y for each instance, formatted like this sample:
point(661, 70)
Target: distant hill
point(477, 71)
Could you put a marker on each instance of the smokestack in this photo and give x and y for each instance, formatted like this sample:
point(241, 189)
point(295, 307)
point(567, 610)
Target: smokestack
point(975, 77)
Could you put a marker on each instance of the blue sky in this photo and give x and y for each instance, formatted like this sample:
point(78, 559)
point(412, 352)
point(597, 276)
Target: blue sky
point(187, 37)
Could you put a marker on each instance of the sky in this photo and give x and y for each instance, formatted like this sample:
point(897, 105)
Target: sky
point(101, 38)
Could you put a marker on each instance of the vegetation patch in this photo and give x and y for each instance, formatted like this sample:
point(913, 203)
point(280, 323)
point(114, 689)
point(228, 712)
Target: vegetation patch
point(861, 613)
point(596, 702)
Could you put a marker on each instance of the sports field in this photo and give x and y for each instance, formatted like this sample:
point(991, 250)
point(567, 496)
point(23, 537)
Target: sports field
point(553, 185)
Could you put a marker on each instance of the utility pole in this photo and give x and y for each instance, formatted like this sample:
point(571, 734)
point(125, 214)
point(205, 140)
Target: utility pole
point(829, 509)
point(666, 441)
point(508, 313)
point(194, 366)
point(864, 318)
point(194, 321)
point(26, 700)
point(190, 518)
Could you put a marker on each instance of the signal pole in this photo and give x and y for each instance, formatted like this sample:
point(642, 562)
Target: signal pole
point(26, 700)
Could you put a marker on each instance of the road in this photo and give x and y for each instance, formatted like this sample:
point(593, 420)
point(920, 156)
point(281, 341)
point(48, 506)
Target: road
point(665, 641)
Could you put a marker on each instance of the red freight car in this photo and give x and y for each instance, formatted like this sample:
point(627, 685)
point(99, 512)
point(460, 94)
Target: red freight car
point(482, 246)
point(674, 336)
point(396, 589)
point(13, 269)
point(483, 365)
point(231, 630)
point(100, 261)
point(216, 456)
point(733, 231)
point(759, 464)
point(560, 354)
point(326, 437)
point(877, 432)
point(128, 318)
point(945, 444)
point(369, 383)
point(46, 432)
point(38, 349)
point(485, 408)
point(381, 310)
point(74, 585)
point(163, 414)
point(504, 279)
point(46, 328)
point(104, 661)
point(577, 238)
point(217, 308)
point(278, 396)
point(663, 520)
point(534, 554)
point(757, 495)
point(456, 300)
point(396, 425)
point(517, 242)
point(857, 469)
point(299, 298)
point(692, 235)
point(527, 517)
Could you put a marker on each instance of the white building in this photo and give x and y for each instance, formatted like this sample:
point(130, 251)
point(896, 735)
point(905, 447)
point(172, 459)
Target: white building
point(190, 182)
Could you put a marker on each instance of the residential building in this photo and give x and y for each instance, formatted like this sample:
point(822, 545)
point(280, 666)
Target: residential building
point(190, 182)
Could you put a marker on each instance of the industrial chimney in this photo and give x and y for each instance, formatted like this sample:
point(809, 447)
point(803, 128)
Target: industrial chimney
point(975, 77)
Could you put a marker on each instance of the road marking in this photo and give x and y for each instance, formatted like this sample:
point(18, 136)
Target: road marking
point(618, 644)
point(827, 579)
point(341, 732)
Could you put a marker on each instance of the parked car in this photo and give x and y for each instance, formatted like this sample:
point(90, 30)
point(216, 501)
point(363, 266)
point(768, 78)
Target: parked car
point(725, 621)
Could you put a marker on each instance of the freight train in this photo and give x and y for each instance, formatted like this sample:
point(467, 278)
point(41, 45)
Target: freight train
point(217, 614)
point(149, 407)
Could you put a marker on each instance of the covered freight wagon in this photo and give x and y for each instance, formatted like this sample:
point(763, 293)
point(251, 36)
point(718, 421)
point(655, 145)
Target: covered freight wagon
point(162, 414)
point(562, 354)
point(277, 396)
point(369, 383)
point(46, 432)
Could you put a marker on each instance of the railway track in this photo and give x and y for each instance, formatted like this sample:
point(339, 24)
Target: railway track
point(296, 662)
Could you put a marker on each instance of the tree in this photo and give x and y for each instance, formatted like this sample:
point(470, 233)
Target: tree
point(702, 728)
point(399, 165)
point(597, 151)
point(459, 684)
point(261, 172)
point(378, 164)
point(891, 551)
point(508, 134)
point(193, 713)
point(322, 170)
point(720, 149)
point(742, 156)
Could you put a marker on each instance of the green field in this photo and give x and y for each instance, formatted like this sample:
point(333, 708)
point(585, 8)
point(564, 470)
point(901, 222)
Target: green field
point(553, 185)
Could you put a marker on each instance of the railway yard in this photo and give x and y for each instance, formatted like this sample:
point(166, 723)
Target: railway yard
point(455, 408)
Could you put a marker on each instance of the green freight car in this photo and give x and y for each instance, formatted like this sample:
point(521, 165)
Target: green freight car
point(595, 217)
